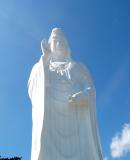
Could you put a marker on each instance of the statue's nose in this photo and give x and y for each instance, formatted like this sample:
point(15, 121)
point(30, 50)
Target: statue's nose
point(53, 45)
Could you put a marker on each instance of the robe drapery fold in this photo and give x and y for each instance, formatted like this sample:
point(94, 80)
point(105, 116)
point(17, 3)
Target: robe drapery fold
point(87, 140)
point(36, 94)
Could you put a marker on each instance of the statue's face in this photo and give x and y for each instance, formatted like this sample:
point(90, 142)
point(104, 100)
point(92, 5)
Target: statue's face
point(58, 43)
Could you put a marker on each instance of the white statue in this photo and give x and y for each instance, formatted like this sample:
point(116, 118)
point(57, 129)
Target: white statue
point(63, 105)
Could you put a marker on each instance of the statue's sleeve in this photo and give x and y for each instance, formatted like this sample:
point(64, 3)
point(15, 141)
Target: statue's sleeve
point(88, 82)
point(32, 81)
point(36, 94)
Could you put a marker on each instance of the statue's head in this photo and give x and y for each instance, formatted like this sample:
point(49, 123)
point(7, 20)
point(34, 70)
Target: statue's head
point(57, 43)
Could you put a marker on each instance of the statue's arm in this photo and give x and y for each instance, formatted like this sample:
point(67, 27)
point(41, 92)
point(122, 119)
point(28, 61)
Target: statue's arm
point(87, 83)
point(32, 81)
point(86, 78)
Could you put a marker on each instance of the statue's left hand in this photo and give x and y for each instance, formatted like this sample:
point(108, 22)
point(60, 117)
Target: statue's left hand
point(78, 98)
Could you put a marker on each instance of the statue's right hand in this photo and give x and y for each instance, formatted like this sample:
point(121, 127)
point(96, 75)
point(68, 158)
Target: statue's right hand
point(45, 47)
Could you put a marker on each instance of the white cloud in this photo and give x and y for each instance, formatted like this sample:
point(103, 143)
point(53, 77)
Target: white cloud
point(120, 145)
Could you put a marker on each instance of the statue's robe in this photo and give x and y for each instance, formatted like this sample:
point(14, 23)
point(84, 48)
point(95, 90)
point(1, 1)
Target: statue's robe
point(63, 129)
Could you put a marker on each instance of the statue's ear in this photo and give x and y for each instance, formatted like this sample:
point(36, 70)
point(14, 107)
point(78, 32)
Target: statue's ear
point(45, 47)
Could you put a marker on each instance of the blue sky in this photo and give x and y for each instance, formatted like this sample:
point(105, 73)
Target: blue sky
point(99, 36)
